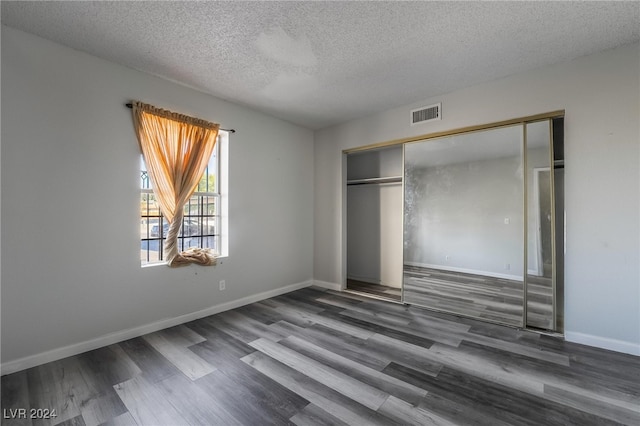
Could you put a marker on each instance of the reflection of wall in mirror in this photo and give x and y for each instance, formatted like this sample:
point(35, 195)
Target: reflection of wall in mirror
point(466, 217)
point(536, 159)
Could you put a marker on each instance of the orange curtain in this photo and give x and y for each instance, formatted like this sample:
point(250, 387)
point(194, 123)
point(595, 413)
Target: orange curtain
point(176, 149)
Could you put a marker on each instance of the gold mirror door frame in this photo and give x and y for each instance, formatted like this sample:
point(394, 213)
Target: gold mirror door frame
point(544, 202)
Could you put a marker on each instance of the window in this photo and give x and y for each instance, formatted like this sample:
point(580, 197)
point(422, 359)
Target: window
point(202, 224)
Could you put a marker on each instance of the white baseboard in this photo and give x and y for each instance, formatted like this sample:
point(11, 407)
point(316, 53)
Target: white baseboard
point(466, 271)
point(328, 285)
point(119, 336)
point(603, 342)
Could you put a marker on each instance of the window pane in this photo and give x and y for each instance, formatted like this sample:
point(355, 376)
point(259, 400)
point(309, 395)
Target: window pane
point(199, 224)
point(209, 205)
point(209, 225)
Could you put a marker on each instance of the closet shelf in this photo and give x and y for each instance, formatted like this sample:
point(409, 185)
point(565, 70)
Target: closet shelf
point(378, 180)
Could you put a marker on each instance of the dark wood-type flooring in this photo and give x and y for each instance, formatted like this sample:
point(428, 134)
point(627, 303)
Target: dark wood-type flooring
point(493, 299)
point(318, 357)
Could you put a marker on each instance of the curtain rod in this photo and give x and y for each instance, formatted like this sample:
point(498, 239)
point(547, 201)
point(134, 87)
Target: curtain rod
point(130, 105)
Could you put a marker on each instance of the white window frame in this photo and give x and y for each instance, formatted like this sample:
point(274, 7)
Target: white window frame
point(220, 193)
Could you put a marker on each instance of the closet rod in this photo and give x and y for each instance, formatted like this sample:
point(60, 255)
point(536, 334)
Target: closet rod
point(374, 181)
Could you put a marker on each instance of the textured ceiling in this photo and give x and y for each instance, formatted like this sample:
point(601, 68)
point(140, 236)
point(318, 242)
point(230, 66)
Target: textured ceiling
point(321, 63)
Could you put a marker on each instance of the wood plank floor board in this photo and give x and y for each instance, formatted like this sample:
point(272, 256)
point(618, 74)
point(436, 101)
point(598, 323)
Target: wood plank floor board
point(125, 419)
point(342, 344)
point(519, 408)
point(220, 342)
point(365, 311)
point(367, 375)
point(107, 366)
point(76, 421)
point(327, 318)
point(432, 323)
point(404, 353)
point(460, 414)
point(248, 325)
point(331, 401)
point(457, 411)
point(289, 316)
point(235, 330)
point(376, 352)
point(591, 405)
point(251, 397)
point(409, 414)
point(146, 403)
point(312, 415)
point(57, 386)
point(153, 366)
point(259, 315)
point(186, 361)
point(303, 302)
point(182, 335)
point(350, 387)
point(537, 353)
point(195, 406)
point(14, 395)
point(398, 333)
point(318, 357)
point(102, 408)
point(338, 301)
point(489, 398)
point(541, 373)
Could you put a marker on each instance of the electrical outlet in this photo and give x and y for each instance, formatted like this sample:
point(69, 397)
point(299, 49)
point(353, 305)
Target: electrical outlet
point(223, 285)
point(507, 266)
point(447, 257)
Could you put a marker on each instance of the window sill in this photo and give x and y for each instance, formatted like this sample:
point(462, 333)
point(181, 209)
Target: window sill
point(151, 265)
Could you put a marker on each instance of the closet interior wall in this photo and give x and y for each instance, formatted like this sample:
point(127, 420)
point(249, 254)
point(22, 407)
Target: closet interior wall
point(374, 221)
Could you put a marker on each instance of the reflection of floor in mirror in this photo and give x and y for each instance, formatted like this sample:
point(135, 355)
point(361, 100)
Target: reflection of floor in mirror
point(540, 303)
point(490, 298)
point(392, 293)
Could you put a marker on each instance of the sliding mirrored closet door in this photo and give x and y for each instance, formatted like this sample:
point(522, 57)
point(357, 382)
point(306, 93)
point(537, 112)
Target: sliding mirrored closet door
point(545, 225)
point(480, 225)
point(464, 224)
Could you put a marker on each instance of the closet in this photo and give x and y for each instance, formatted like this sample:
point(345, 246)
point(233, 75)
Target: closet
point(469, 222)
point(374, 222)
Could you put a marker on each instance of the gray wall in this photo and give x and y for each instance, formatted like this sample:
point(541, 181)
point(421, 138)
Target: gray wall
point(70, 202)
point(602, 279)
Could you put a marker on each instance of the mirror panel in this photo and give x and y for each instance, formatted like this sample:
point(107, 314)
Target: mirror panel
point(464, 224)
point(540, 227)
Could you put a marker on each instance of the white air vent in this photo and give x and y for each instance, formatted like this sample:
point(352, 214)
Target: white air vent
point(426, 114)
